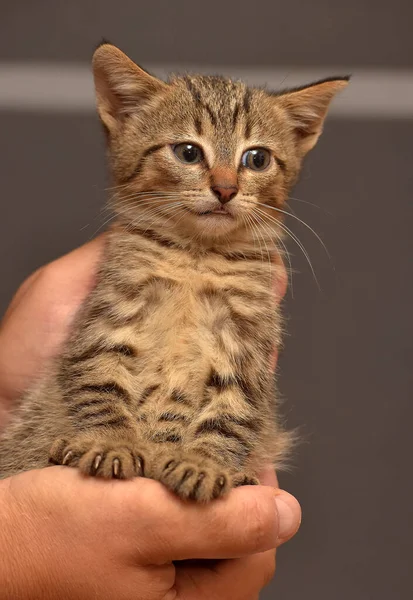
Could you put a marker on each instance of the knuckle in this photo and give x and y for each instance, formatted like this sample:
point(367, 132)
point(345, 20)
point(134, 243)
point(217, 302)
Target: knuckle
point(257, 524)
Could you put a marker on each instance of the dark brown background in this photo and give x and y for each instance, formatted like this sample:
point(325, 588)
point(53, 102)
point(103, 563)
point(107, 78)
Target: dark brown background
point(346, 368)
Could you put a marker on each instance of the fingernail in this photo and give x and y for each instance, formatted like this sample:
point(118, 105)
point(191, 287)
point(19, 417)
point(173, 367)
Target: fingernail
point(289, 515)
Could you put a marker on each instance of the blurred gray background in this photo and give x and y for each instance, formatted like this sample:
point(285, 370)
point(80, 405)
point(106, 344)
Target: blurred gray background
point(346, 368)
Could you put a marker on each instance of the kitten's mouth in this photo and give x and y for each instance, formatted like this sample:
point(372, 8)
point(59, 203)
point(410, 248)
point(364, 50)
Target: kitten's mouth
point(218, 214)
point(221, 210)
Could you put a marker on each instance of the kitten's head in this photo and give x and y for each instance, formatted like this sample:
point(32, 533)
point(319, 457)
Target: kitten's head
point(207, 156)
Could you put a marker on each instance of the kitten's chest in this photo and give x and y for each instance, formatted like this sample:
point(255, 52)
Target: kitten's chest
point(201, 313)
point(183, 316)
point(195, 301)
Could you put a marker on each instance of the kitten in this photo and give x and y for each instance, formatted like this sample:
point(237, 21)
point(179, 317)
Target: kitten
point(166, 373)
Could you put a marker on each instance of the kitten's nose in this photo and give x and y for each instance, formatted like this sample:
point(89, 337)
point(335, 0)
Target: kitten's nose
point(225, 193)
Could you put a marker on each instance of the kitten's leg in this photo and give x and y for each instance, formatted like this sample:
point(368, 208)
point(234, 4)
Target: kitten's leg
point(219, 445)
point(99, 396)
point(110, 455)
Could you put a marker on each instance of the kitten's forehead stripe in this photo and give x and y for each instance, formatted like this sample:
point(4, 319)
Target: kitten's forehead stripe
point(212, 116)
point(247, 99)
point(198, 125)
point(200, 102)
point(195, 93)
point(247, 105)
point(235, 116)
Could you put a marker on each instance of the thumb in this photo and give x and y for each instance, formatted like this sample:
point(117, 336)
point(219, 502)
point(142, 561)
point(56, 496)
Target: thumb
point(250, 519)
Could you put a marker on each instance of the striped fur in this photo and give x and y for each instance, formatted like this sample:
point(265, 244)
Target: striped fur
point(166, 371)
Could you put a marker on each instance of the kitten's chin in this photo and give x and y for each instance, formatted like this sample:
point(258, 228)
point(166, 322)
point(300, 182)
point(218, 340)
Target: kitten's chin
point(214, 224)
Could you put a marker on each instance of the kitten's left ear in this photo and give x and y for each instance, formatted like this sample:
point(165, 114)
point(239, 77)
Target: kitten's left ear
point(307, 108)
point(121, 86)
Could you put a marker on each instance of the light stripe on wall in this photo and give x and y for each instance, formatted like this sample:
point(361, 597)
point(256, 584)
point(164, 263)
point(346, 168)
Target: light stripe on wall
point(68, 88)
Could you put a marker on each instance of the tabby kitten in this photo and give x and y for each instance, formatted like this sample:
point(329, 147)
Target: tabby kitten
point(166, 373)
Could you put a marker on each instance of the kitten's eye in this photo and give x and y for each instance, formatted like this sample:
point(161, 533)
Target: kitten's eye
point(256, 159)
point(188, 153)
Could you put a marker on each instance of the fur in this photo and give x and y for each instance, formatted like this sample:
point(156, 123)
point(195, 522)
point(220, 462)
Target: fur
point(166, 373)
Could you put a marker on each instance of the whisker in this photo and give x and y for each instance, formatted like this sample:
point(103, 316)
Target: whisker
point(120, 211)
point(286, 253)
point(168, 210)
point(116, 187)
point(303, 223)
point(99, 229)
point(284, 212)
point(153, 212)
point(143, 202)
point(140, 194)
point(139, 197)
point(293, 237)
point(255, 227)
point(253, 216)
point(311, 204)
point(125, 186)
point(250, 224)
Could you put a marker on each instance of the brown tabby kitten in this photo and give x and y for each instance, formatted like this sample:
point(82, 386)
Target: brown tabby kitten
point(167, 371)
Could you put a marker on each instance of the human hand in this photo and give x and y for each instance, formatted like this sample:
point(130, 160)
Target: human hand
point(70, 537)
point(64, 520)
point(39, 316)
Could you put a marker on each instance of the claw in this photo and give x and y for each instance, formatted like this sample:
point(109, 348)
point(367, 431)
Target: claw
point(139, 466)
point(116, 468)
point(97, 463)
point(219, 486)
point(67, 457)
point(221, 482)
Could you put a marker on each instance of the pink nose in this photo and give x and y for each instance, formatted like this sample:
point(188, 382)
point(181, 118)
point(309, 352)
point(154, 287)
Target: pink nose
point(225, 193)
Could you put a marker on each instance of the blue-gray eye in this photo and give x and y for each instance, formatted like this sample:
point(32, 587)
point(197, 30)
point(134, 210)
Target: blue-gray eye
point(256, 159)
point(188, 153)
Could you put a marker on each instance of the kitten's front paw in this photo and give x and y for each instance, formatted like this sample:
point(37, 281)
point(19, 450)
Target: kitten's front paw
point(193, 477)
point(112, 459)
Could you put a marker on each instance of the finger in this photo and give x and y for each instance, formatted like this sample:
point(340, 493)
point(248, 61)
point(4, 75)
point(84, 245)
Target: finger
point(75, 270)
point(250, 519)
point(22, 291)
point(40, 314)
point(269, 477)
point(239, 579)
point(280, 278)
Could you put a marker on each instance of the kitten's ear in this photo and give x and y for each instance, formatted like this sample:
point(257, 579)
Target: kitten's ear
point(121, 86)
point(308, 107)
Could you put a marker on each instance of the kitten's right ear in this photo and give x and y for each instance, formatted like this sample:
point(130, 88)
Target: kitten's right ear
point(121, 86)
point(307, 108)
